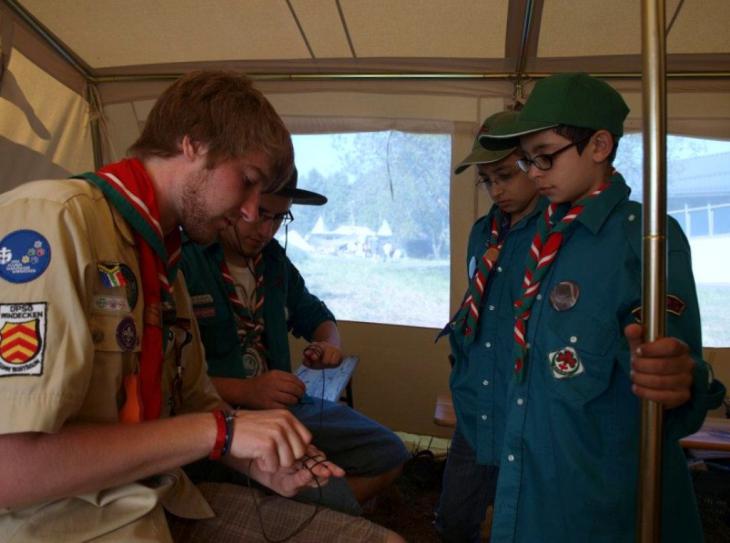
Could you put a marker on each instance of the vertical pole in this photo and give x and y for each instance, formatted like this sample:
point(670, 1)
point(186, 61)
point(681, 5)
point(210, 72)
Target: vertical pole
point(654, 255)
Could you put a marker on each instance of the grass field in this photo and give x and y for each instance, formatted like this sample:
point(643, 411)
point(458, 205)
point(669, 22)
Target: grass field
point(409, 291)
point(416, 293)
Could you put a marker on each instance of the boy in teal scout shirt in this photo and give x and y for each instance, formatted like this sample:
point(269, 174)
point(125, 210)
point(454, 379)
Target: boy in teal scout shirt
point(569, 459)
point(478, 333)
point(247, 296)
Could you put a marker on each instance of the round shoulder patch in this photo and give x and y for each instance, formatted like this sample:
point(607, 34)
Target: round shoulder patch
point(24, 255)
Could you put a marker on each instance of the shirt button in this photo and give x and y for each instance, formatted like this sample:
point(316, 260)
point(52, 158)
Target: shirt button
point(485, 382)
point(484, 417)
point(573, 339)
point(511, 457)
point(520, 401)
point(632, 217)
point(499, 269)
point(538, 297)
point(488, 345)
point(527, 345)
point(491, 308)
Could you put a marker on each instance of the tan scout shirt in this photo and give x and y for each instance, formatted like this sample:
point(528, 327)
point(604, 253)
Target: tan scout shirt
point(81, 336)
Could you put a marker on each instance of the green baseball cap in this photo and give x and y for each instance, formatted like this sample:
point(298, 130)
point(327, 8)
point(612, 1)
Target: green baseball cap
point(495, 150)
point(572, 99)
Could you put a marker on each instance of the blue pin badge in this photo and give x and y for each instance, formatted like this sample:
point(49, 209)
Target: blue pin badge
point(24, 255)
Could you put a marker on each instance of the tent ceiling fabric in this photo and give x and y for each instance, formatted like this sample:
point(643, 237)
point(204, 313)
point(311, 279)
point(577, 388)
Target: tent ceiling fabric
point(356, 36)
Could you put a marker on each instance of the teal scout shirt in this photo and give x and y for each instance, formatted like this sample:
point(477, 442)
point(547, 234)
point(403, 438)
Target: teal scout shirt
point(481, 373)
point(568, 466)
point(288, 306)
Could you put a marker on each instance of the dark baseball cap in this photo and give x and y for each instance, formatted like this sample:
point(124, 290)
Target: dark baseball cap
point(300, 196)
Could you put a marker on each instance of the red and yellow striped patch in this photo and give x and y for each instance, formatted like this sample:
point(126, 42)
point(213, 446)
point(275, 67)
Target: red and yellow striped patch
point(19, 341)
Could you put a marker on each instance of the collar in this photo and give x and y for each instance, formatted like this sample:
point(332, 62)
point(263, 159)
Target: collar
point(596, 214)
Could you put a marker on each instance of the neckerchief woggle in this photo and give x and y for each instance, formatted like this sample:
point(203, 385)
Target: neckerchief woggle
point(128, 187)
point(545, 246)
point(252, 322)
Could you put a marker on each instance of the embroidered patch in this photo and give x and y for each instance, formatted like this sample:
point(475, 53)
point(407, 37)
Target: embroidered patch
point(674, 305)
point(203, 306)
point(24, 255)
point(119, 275)
point(201, 299)
point(111, 304)
point(126, 334)
point(565, 363)
point(472, 267)
point(204, 312)
point(22, 338)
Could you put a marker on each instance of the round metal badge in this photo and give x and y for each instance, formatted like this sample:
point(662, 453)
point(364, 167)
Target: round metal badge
point(253, 363)
point(127, 334)
point(564, 295)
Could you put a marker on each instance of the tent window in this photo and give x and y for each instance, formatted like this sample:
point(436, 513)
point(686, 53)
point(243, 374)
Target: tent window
point(378, 251)
point(698, 197)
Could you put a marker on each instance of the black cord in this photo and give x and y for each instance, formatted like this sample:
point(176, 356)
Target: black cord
point(306, 522)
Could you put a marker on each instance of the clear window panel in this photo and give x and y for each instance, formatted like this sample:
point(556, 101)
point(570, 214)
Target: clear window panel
point(378, 251)
point(698, 197)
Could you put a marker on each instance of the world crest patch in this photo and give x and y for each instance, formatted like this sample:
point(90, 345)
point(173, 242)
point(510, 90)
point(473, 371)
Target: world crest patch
point(22, 338)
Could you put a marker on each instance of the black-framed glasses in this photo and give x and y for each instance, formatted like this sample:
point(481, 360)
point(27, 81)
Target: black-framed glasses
point(277, 219)
point(545, 161)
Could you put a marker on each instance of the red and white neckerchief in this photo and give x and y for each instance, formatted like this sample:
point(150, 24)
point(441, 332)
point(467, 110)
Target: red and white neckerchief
point(545, 246)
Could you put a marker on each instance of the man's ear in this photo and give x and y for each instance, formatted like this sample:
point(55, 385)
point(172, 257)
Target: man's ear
point(192, 150)
point(603, 143)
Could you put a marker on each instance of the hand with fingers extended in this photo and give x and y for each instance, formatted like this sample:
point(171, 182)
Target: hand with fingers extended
point(274, 389)
point(272, 439)
point(313, 469)
point(321, 355)
point(661, 370)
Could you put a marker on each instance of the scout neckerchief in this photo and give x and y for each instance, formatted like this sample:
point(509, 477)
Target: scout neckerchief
point(467, 318)
point(127, 186)
point(544, 249)
point(250, 320)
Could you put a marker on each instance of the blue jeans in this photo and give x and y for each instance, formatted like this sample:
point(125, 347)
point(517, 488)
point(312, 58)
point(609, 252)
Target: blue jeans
point(468, 488)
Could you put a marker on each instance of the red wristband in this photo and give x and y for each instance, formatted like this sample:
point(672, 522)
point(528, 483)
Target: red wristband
point(220, 437)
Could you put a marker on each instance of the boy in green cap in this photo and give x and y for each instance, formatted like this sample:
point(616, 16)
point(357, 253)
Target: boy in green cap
point(569, 462)
point(497, 248)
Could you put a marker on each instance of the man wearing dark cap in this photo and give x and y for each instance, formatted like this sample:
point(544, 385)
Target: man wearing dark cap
point(247, 295)
point(496, 252)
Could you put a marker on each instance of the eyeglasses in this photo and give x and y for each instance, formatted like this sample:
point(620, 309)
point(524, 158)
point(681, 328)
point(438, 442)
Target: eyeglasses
point(545, 162)
point(501, 178)
point(276, 220)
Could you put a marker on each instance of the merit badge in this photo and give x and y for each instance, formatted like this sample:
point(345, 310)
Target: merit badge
point(564, 295)
point(565, 363)
point(22, 338)
point(127, 334)
point(24, 255)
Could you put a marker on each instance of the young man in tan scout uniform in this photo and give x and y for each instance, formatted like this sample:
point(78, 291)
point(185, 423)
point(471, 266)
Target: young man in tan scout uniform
point(103, 386)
